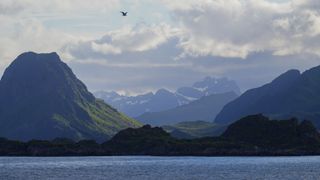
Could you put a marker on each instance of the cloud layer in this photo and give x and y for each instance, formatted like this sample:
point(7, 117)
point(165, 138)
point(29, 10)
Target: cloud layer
point(234, 38)
point(225, 28)
point(237, 28)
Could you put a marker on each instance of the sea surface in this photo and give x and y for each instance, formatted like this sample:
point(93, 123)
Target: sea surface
point(153, 168)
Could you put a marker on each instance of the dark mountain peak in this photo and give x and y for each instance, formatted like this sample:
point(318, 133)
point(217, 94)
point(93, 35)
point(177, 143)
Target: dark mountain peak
point(282, 82)
point(292, 94)
point(42, 74)
point(312, 74)
point(29, 65)
point(314, 69)
point(287, 77)
point(53, 56)
point(41, 98)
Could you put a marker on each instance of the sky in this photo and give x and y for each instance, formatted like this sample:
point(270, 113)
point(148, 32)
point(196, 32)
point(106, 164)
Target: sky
point(165, 43)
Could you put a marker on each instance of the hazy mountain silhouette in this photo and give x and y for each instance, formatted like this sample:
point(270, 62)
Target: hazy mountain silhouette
point(163, 99)
point(290, 95)
point(204, 109)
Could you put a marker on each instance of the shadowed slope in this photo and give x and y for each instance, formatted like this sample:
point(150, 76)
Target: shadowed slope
point(41, 98)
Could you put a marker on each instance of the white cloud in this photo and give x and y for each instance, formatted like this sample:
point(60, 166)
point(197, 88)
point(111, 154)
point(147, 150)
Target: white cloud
point(104, 48)
point(20, 36)
point(23, 25)
point(9, 7)
point(208, 36)
point(140, 38)
point(225, 28)
point(237, 28)
point(55, 6)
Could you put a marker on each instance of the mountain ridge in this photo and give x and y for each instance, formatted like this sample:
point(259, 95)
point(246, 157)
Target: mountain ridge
point(204, 109)
point(163, 99)
point(292, 94)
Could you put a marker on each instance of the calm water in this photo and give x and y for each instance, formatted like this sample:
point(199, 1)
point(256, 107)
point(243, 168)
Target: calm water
point(141, 168)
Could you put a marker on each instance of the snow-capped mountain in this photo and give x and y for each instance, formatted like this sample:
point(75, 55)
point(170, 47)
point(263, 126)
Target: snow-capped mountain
point(163, 99)
point(209, 86)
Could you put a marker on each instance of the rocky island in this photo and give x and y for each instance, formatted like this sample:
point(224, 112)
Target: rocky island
point(253, 135)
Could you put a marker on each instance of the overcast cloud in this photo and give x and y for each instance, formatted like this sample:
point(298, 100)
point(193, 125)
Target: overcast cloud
point(165, 43)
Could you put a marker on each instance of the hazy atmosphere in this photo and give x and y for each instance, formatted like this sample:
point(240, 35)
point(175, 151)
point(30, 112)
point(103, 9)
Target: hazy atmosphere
point(165, 43)
point(159, 89)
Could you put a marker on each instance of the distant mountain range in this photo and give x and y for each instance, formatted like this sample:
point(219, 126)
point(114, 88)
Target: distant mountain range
point(292, 94)
point(205, 109)
point(163, 99)
point(41, 98)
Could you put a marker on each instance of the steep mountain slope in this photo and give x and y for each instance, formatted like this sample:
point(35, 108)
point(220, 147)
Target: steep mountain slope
point(164, 100)
point(290, 95)
point(41, 98)
point(204, 109)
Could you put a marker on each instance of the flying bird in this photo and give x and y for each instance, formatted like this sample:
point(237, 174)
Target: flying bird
point(124, 13)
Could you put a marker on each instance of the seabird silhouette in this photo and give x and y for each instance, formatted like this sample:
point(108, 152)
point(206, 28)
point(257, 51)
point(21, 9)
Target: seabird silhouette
point(124, 13)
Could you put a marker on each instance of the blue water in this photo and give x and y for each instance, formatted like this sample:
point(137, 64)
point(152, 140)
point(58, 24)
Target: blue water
point(153, 168)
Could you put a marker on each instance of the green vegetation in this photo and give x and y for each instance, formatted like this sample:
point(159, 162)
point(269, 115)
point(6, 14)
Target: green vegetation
point(41, 98)
point(194, 129)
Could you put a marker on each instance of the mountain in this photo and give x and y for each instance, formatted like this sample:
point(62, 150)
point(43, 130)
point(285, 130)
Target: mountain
point(204, 109)
point(41, 98)
point(136, 105)
point(194, 129)
point(292, 94)
point(209, 86)
point(163, 99)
